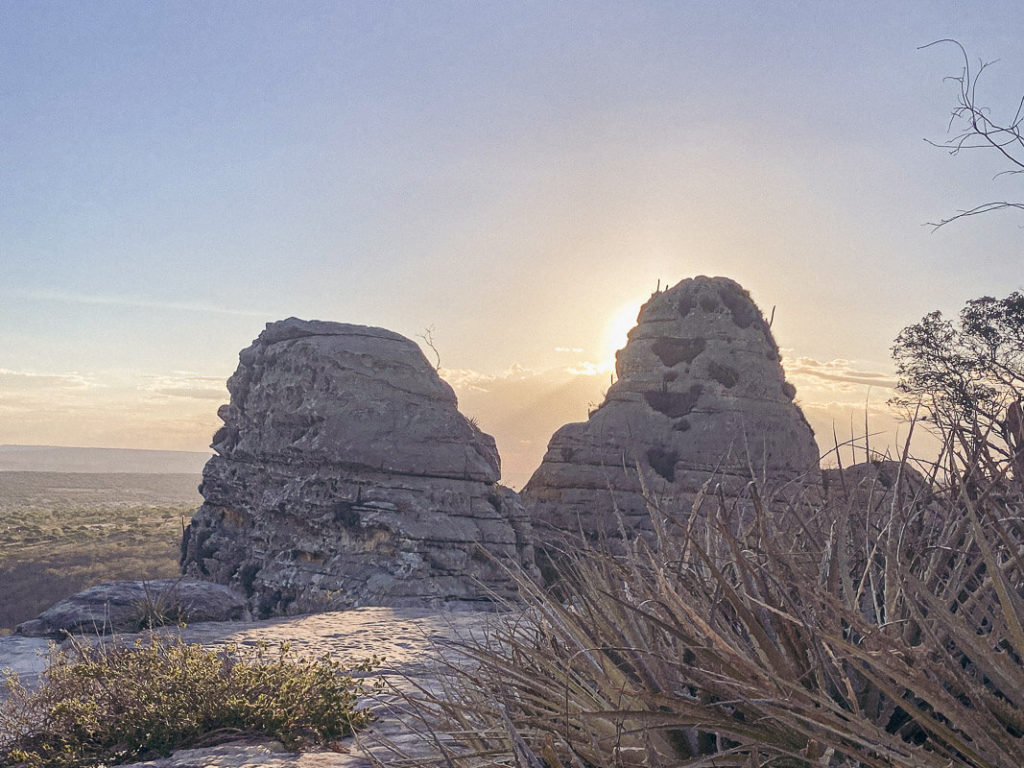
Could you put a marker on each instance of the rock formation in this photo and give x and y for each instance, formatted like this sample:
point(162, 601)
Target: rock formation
point(345, 475)
point(700, 394)
point(127, 606)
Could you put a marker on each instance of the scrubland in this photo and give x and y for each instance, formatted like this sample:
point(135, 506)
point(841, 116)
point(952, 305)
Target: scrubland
point(63, 532)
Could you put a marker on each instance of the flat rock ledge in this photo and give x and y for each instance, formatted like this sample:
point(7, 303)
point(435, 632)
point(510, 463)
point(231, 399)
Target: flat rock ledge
point(127, 606)
point(411, 640)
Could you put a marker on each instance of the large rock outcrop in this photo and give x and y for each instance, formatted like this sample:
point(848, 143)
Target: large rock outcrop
point(345, 475)
point(700, 394)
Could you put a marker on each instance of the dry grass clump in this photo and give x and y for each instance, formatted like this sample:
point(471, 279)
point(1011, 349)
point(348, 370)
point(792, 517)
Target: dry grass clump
point(879, 625)
point(117, 703)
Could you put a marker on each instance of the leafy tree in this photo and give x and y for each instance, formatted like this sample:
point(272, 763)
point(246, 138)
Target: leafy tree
point(968, 376)
point(974, 126)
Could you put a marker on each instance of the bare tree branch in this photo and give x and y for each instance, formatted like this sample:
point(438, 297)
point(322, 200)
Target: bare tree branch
point(983, 208)
point(973, 127)
point(428, 339)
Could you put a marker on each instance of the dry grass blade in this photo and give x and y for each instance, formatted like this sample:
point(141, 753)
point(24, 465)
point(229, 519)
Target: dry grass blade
point(876, 626)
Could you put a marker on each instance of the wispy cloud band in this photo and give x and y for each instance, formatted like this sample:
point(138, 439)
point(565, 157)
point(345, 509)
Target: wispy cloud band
point(838, 371)
point(137, 302)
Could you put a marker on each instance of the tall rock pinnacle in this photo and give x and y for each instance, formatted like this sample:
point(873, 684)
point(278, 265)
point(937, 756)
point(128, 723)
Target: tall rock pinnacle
point(700, 394)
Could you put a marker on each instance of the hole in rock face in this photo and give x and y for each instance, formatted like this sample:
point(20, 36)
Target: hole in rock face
point(674, 404)
point(247, 578)
point(685, 305)
point(674, 351)
point(269, 603)
point(744, 313)
point(683, 425)
point(345, 514)
point(723, 374)
point(221, 436)
point(663, 462)
point(232, 517)
point(708, 303)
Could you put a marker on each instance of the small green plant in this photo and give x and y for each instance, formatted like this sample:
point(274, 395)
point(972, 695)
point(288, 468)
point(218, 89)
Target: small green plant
point(118, 702)
point(159, 609)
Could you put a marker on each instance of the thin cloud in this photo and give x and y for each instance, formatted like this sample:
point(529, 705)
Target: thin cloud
point(837, 371)
point(134, 302)
point(468, 379)
point(36, 381)
point(875, 409)
point(187, 385)
point(591, 369)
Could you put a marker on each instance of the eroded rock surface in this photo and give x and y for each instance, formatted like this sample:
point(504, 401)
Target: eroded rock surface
point(345, 475)
point(700, 394)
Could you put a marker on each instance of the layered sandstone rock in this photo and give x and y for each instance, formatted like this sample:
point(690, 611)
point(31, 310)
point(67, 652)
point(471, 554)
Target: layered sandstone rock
point(345, 475)
point(700, 395)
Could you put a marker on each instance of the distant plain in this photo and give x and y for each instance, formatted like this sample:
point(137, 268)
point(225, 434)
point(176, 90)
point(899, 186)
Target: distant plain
point(61, 532)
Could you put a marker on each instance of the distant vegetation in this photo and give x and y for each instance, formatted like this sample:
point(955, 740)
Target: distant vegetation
point(56, 458)
point(63, 532)
point(967, 374)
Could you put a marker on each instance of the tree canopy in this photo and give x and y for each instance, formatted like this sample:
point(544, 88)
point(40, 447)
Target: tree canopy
point(968, 375)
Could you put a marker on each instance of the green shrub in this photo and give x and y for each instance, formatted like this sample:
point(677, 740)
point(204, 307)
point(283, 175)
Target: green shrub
point(118, 702)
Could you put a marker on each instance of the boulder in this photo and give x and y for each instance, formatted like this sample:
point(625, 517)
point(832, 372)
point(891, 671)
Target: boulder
point(345, 475)
point(700, 395)
point(874, 486)
point(128, 606)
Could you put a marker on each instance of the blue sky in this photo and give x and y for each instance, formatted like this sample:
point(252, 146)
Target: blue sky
point(516, 175)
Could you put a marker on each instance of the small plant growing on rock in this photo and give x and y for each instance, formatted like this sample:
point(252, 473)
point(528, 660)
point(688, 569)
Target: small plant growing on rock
point(157, 609)
point(119, 702)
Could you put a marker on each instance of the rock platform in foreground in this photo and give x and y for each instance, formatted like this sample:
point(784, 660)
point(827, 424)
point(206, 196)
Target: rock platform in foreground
point(410, 640)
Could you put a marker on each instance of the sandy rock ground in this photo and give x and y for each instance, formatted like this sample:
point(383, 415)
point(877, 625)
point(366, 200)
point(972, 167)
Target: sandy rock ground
point(410, 641)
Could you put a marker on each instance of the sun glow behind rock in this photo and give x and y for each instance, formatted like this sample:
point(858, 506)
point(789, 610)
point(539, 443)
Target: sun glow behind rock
point(617, 330)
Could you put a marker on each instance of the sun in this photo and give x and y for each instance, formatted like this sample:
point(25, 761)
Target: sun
point(618, 327)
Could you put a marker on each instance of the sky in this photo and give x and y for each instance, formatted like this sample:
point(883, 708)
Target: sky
point(516, 176)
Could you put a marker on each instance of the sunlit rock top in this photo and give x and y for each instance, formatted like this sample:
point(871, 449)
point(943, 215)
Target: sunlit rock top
point(700, 393)
point(351, 395)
